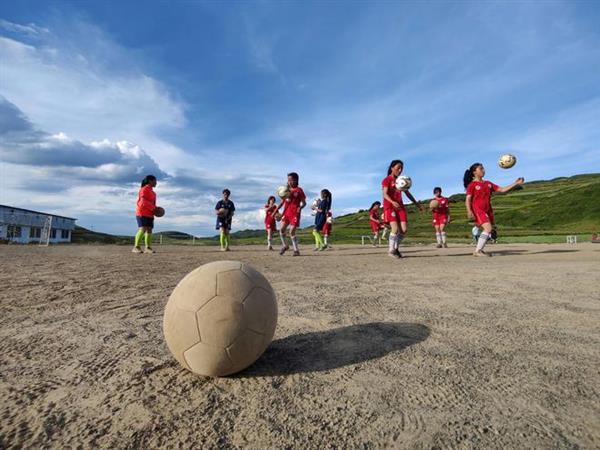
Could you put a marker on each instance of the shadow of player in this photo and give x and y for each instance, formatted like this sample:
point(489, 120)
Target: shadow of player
point(326, 350)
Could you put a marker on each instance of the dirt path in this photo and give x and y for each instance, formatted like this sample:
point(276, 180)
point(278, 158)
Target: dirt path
point(438, 350)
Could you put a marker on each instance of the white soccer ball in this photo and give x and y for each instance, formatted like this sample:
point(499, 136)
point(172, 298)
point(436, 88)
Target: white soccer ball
point(403, 183)
point(330, 220)
point(283, 191)
point(220, 318)
point(507, 161)
point(314, 206)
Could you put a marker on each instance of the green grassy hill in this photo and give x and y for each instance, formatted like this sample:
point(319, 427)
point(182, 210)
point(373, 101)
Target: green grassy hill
point(541, 211)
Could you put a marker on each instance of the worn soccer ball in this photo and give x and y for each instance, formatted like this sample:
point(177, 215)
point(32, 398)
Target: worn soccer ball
point(222, 213)
point(403, 183)
point(159, 212)
point(507, 161)
point(314, 206)
point(434, 204)
point(330, 220)
point(220, 318)
point(283, 191)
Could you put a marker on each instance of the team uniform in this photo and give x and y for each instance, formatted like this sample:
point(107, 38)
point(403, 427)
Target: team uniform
point(225, 222)
point(481, 194)
point(321, 217)
point(291, 207)
point(270, 221)
point(375, 220)
point(327, 226)
point(442, 212)
point(390, 213)
point(145, 206)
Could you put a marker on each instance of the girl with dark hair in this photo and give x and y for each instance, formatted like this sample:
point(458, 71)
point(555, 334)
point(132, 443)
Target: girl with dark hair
point(479, 207)
point(322, 210)
point(224, 210)
point(375, 222)
point(394, 211)
point(292, 208)
point(441, 217)
point(144, 214)
point(270, 220)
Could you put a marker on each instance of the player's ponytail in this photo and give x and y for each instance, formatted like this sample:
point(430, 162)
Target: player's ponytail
point(469, 176)
point(393, 163)
point(148, 179)
point(325, 193)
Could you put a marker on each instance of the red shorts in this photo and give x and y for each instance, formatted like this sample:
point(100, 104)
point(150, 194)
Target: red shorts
point(395, 215)
point(271, 225)
point(326, 229)
point(440, 220)
point(291, 219)
point(482, 217)
point(375, 226)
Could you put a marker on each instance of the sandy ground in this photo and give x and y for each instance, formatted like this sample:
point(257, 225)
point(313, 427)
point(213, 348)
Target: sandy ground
point(438, 350)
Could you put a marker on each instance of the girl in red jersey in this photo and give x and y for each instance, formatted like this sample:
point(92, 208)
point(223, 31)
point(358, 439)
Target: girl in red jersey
point(441, 216)
point(292, 208)
point(394, 211)
point(270, 220)
point(144, 214)
point(479, 207)
point(375, 222)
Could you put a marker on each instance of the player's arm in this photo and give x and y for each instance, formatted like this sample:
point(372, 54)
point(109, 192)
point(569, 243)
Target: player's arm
point(468, 202)
point(519, 181)
point(386, 195)
point(414, 200)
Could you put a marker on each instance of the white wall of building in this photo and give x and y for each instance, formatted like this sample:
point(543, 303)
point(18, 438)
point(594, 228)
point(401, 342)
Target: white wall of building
point(16, 225)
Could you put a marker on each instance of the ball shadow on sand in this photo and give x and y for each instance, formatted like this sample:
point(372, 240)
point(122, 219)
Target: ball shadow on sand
point(330, 349)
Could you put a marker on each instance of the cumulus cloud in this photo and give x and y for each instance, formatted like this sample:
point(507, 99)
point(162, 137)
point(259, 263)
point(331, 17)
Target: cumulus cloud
point(59, 155)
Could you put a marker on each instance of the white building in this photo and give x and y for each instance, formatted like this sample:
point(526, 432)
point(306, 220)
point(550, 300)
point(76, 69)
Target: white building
point(24, 226)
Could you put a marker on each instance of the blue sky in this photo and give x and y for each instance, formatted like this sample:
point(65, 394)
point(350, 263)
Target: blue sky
point(94, 95)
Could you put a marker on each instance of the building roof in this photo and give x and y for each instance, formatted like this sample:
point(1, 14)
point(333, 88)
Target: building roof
point(37, 212)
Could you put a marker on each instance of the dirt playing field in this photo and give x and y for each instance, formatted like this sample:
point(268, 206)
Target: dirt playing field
point(437, 350)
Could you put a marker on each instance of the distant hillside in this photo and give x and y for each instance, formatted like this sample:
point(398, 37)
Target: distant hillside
point(540, 211)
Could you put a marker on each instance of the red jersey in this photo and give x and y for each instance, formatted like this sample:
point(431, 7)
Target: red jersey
point(291, 206)
point(269, 210)
point(374, 214)
point(146, 202)
point(443, 209)
point(390, 183)
point(481, 194)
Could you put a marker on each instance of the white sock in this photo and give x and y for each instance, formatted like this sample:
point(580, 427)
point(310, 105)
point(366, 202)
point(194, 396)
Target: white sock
point(438, 237)
point(295, 243)
point(270, 242)
point(326, 239)
point(482, 241)
point(443, 237)
point(392, 242)
point(282, 236)
point(384, 233)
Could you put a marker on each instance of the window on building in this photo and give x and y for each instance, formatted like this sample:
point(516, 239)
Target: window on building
point(65, 234)
point(53, 233)
point(14, 231)
point(35, 232)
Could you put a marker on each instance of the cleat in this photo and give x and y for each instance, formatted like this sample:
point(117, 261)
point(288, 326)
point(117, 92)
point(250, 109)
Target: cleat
point(445, 245)
point(136, 250)
point(393, 255)
point(438, 246)
point(270, 248)
point(296, 253)
point(149, 250)
point(283, 250)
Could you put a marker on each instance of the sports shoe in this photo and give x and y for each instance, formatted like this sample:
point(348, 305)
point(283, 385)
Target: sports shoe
point(284, 249)
point(481, 253)
point(136, 250)
point(394, 254)
point(270, 248)
point(438, 246)
point(316, 249)
point(445, 245)
point(296, 253)
point(398, 253)
point(149, 250)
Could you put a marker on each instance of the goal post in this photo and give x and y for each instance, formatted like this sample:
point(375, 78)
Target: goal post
point(46, 230)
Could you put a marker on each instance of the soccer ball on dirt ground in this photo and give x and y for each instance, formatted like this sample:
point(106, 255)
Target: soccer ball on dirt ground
point(220, 318)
